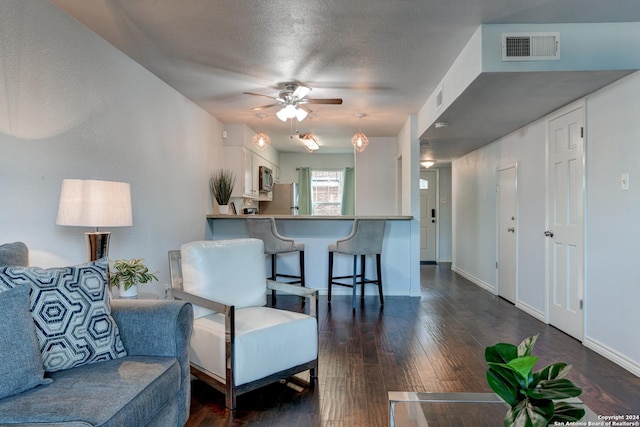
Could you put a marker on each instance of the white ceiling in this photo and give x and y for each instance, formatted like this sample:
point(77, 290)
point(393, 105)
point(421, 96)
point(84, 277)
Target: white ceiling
point(383, 57)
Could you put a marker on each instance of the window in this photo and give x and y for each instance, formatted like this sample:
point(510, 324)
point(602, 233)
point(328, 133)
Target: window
point(424, 184)
point(326, 191)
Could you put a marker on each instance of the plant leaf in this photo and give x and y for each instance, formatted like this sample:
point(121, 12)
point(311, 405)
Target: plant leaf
point(526, 346)
point(554, 389)
point(553, 371)
point(530, 413)
point(501, 353)
point(565, 413)
point(523, 365)
point(503, 387)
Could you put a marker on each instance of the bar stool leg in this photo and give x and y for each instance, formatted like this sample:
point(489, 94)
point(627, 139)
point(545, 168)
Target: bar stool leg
point(302, 280)
point(363, 270)
point(330, 276)
point(379, 273)
point(355, 281)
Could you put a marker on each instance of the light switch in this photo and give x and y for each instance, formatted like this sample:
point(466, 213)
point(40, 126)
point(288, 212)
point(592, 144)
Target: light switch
point(624, 182)
point(443, 200)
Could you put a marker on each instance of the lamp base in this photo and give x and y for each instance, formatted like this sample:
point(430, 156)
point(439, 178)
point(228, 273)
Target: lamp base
point(97, 244)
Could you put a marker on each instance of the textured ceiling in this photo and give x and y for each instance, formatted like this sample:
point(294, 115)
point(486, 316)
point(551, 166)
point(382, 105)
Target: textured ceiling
point(384, 58)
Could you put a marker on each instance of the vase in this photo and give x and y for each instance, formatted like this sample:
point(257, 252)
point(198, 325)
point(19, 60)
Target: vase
point(132, 292)
point(223, 209)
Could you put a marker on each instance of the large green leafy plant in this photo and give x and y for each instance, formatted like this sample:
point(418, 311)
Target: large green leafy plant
point(531, 395)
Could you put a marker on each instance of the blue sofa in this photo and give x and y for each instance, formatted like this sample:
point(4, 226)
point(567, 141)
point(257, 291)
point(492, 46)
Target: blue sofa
point(149, 386)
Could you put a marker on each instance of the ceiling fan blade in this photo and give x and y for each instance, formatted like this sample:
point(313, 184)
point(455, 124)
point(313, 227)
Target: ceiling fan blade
point(335, 101)
point(301, 92)
point(264, 107)
point(258, 94)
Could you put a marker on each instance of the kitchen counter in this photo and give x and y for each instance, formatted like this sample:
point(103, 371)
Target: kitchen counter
point(313, 217)
point(317, 232)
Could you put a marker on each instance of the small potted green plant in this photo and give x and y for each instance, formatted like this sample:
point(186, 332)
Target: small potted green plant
point(221, 185)
point(533, 396)
point(127, 274)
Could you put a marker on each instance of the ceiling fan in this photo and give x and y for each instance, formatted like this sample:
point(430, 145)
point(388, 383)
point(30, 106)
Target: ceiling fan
point(292, 100)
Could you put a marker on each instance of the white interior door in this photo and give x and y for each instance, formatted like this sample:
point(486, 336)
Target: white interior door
point(565, 232)
point(507, 228)
point(428, 216)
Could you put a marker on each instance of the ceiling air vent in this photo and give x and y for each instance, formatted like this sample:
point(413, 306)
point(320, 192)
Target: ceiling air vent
point(439, 99)
point(530, 46)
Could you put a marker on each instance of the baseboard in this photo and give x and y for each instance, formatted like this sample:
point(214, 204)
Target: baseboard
point(484, 285)
point(531, 311)
point(612, 355)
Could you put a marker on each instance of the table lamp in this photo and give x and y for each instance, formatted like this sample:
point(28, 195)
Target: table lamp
point(91, 203)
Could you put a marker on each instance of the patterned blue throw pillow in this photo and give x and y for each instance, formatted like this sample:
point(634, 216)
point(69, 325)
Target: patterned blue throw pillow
point(70, 307)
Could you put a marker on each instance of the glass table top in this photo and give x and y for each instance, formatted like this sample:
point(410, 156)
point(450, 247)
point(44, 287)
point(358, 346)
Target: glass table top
point(409, 409)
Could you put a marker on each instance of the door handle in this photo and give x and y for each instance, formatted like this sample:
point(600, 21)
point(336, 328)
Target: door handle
point(548, 233)
point(511, 229)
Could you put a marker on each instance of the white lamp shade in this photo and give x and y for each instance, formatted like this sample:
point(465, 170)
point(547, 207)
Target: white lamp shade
point(91, 203)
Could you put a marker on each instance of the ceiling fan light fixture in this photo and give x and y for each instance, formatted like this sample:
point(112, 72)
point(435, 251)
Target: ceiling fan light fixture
point(282, 114)
point(300, 114)
point(291, 111)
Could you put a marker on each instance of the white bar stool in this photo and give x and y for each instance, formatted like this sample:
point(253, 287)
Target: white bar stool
point(365, 239)
point(274, 244)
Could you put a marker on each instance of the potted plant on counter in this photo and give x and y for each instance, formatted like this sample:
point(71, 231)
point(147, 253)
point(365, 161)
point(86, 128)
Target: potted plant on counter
point(127, 274)
point(221, 186)
point(533, 396)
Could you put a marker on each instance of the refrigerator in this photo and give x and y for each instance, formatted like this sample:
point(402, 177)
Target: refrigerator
point(284, 201)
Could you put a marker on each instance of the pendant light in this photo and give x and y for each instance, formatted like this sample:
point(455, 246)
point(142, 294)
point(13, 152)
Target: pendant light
point(310, 141)
point(261, 140)
point(360, 140)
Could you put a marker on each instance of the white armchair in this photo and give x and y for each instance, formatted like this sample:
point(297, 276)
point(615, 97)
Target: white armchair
point(238, 344)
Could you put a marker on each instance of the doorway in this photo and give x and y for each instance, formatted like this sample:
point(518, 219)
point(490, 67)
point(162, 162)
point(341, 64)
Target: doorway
point(428, 216)
point(565, 222)
point(507, 233)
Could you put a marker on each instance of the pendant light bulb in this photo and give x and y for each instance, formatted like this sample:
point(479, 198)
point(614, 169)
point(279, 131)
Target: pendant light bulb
point(360, 140)
point(261, 140)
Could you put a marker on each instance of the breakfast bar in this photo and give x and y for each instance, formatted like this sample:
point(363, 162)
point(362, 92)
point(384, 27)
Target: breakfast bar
point(317, 232)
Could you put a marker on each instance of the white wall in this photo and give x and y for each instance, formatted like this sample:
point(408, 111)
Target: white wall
point(613, 221)
point(375, 178)
point(72, 106)
point(409, 174)
point(612, 291)
point(444, 215)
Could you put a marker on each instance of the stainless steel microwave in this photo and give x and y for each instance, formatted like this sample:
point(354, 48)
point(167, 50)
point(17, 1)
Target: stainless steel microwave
point(266, 178)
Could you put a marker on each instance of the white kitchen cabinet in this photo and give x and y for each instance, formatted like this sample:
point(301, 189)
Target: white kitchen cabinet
point(244, 164)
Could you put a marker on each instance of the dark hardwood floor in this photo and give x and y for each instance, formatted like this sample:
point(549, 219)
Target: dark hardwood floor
point(435, 343)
